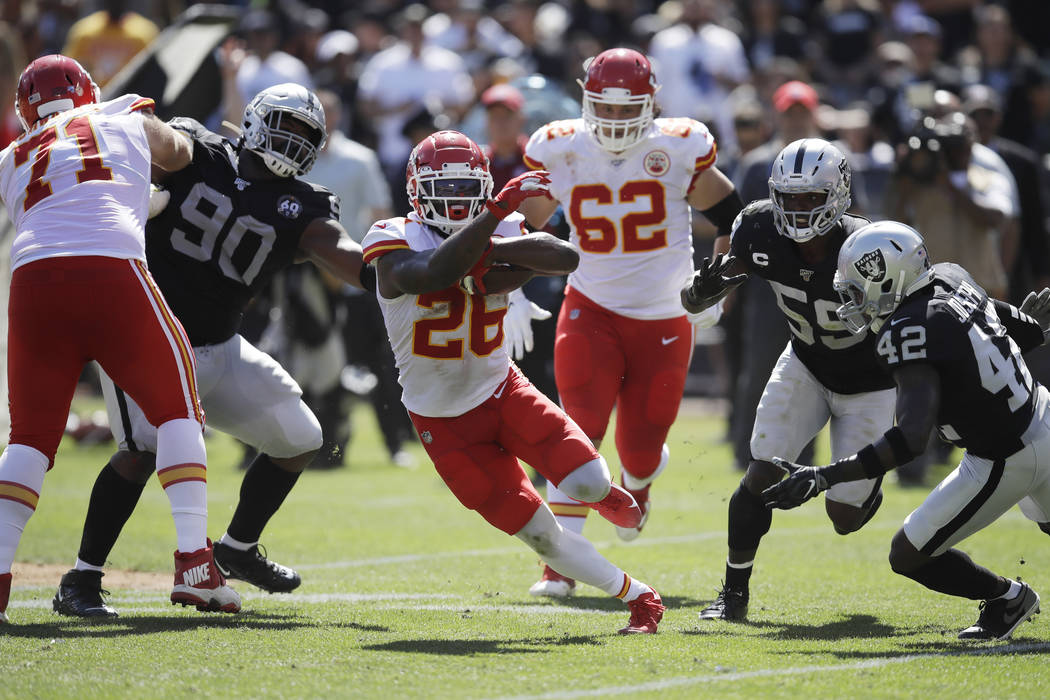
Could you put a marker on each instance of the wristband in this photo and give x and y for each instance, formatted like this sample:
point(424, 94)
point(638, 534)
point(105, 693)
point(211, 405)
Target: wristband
point(870, 462)
point(368, 278)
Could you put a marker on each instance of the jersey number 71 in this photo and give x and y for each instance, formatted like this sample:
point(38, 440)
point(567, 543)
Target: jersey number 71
point(78, 128)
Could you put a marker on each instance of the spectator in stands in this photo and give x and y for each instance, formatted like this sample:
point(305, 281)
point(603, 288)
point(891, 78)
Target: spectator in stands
point(262, 64)
point(698, 62)
point(961, 195)
point(768, 34)
point(104, 41)
point(468, 32)
point(1031, 268)
point(399, 80)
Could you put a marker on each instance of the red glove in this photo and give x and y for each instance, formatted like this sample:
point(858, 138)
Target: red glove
point(472, 282)
point(531, 184)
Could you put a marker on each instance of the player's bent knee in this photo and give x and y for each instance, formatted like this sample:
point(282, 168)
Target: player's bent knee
point(588, 483)
point(136, 467)
point(844, 517)
point(904, 557)
point(761, 475)
point(542, 533)
point(295, 431)
point(296, 464)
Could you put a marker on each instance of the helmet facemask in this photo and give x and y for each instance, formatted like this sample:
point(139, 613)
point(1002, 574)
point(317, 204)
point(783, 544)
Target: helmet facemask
point(450, 199)
point(285, 126)
point(616, 135)
point(879, 265)
point(809, 166)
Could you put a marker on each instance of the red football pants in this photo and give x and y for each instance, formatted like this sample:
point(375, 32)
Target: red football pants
point(602, 359)
point(66, 311)
point(476, 453)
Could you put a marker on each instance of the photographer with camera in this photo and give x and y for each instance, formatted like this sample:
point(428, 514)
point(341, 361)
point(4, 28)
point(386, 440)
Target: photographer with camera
point(961, 195)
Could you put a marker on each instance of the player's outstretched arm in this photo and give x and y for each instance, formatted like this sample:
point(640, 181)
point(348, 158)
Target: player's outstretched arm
point(327, 244)
point(918, 399)
point(170, 149)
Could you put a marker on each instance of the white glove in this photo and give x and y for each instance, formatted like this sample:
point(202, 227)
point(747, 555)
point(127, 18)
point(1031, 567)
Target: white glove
point(708, 317)
point(158, 200)
point(517, 325)
point(1037, 305)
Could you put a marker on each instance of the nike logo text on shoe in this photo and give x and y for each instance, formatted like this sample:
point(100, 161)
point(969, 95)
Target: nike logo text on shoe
point(668, 341)
point(196, 574)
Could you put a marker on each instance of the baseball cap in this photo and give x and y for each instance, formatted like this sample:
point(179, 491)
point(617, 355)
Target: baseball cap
point(503, 94)
point(795, 92)
point(335, 42)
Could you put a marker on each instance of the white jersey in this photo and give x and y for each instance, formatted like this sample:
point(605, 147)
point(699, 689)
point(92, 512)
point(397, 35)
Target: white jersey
point(448, 344)
point(78, 183)
point(628, 211)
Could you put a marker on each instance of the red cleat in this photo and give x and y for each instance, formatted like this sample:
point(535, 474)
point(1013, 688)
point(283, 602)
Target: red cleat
point(641, 497)
point(619, 508)
point(646, 613)
point(198, 582)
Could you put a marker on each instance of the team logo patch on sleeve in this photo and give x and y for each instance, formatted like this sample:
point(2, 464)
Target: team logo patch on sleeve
point(289, 207)
point(872, 265)
point(656, 163)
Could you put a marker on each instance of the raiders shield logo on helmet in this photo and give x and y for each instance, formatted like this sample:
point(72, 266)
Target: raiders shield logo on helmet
point(872, 265)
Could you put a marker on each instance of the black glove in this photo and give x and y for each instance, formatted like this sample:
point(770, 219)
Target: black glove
point(802, 484)
point(710, 284)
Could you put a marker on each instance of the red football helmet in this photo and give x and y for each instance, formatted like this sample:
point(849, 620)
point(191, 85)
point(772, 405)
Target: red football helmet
point(619, 77)
point(448, 180)
point(52, 84)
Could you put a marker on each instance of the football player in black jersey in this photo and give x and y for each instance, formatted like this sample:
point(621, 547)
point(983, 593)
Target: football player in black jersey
point(825, 374)
point(237, 215)
point(955, 356)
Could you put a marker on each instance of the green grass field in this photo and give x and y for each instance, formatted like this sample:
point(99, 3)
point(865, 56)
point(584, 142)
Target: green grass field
point(406, 594)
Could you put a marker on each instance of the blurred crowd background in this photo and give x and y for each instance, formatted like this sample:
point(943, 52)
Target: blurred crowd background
point(942, 106)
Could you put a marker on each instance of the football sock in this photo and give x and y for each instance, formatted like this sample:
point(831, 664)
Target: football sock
point(1013, 591)
point(113, 499)
point(573, 555)
point(738, 576)
point(236, 544)
point(22, 471)
point(749, 519)
point(954, 573)
point(571, 515)
point(82, 565)
point(263, 490)
point(181, 471)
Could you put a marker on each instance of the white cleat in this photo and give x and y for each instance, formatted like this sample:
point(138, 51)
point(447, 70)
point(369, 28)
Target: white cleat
point(553, 585)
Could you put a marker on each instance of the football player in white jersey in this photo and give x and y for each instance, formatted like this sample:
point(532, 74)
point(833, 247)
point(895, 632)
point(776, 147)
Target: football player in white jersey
point(76, 185)
point(628, 182)
point(442, 276)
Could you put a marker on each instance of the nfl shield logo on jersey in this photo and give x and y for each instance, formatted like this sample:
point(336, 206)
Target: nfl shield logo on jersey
point(289, 207)
point(656, 163)
point(427, 437)
point(872, 265)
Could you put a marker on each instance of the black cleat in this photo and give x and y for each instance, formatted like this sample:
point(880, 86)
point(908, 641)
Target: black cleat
point(253, 566)
point(1001, 616)
point(731, 605)
point(80, 595)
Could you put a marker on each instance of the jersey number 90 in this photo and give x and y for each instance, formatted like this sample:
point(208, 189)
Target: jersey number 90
point(212, 226)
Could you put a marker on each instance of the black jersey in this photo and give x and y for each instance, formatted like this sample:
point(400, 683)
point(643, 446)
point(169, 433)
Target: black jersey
point(975, 345)
point(843, 362)
point(222, 238)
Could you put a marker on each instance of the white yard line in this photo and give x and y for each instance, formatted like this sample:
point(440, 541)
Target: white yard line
point(502, 551)
point(775, 672)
